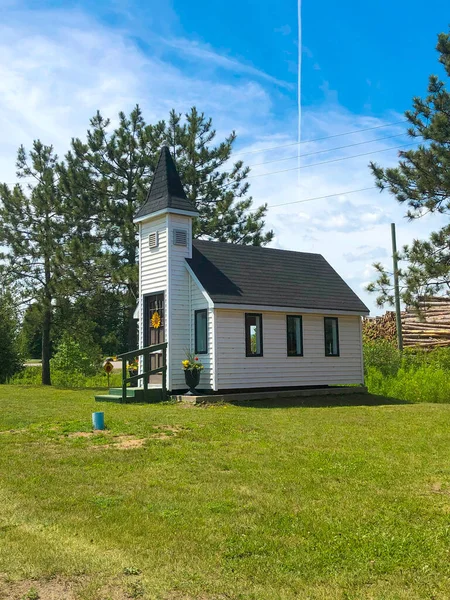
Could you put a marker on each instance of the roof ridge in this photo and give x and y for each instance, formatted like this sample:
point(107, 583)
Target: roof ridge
point(255, 247)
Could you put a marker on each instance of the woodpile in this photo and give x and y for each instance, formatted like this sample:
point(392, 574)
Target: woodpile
point(380, 328)
point(427, 326)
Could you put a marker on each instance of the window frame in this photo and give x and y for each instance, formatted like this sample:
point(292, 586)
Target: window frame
point(287, 334)
point(197, 312)
point(248, 345)
point(325, 337)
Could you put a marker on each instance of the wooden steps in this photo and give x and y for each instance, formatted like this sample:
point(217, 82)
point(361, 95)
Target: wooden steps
point(134, 395)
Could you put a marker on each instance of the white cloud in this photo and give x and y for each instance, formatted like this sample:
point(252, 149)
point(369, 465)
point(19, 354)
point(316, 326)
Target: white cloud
point(52, 83)
point(204, 52)
point(364, 253)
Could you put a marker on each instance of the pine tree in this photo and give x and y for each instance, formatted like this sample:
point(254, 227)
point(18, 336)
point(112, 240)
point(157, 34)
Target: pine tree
point(109, 175)
point(10, 359)
point(421, 181)
point(33, 230)
point(219, 193)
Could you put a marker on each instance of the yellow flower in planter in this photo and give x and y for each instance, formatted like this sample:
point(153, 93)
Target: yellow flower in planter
point(191, 362)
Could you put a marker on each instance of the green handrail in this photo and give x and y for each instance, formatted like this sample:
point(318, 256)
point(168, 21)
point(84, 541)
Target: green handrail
point(146, 371)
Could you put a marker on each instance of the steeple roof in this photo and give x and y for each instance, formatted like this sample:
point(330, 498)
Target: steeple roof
point(166, 191)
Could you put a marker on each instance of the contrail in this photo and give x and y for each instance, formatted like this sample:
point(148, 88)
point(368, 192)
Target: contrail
point(299, 83)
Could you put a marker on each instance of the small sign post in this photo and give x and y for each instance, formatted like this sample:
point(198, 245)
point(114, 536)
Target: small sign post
point(108, 367)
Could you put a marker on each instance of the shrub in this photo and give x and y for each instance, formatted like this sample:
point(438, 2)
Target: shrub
point(424, 384)
point(383, 356)
point(76, 358)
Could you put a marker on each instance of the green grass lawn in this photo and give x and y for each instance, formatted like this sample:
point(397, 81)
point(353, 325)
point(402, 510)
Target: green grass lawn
point(182, 502)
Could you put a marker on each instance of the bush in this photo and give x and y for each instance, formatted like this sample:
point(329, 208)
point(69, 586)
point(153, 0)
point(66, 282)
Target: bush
point(76, 358)
point(383, 356)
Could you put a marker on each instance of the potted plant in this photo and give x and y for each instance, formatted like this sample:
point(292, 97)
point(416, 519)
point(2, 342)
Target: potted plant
point(133, 367)
point(192, 369)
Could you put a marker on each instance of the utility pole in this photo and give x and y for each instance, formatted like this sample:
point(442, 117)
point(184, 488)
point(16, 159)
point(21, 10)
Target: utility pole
point(398, 316)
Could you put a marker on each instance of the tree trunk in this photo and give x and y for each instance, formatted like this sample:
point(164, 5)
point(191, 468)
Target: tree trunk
point(46, 325)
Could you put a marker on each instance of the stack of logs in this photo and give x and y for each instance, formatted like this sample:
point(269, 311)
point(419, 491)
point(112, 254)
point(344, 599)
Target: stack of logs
point(428, 327)
point(383, 327)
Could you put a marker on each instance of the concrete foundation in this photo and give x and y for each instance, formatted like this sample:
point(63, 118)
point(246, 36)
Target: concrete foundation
point(274, 395)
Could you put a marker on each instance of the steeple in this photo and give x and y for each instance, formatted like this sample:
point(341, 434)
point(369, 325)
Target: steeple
point(166, 191)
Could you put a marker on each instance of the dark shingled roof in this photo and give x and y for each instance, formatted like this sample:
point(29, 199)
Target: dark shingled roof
point(166, 190)
point(236, 274)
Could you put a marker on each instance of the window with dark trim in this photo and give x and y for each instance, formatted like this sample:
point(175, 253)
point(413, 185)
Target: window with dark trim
point(253, 334)
point(201, 331)
point(331, 328)
point(294, 335)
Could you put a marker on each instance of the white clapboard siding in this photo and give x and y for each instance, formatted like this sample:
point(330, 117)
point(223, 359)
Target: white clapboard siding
point(199, 302)
point(275, 368)
point(153, 266)
point(179, 323)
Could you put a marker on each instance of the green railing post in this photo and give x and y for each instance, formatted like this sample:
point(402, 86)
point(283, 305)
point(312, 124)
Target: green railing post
point(124, 380)
point(146, 361)
point(146, 371)
point(164, 371)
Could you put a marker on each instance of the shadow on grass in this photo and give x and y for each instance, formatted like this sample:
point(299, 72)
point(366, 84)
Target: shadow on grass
point(322, 401)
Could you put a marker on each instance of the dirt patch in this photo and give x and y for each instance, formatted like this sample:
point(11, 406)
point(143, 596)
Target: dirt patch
point(83, 434)
point(53, 589)
point(439, 488)
point(122, 442)
point(172, 428)
point(128, 442)
point(117, 588)
point(165, 432)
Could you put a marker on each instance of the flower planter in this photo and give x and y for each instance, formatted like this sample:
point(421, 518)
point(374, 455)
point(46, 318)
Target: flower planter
point(192, 378)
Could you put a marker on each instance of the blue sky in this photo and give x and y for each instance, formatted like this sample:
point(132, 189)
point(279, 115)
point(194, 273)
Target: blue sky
point(238, 61)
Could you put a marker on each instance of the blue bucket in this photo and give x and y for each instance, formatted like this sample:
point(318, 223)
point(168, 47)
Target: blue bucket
point(98, 420)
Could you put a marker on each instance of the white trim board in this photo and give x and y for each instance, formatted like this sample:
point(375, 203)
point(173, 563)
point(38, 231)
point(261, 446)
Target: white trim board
point(287, 309)
point(163, 211)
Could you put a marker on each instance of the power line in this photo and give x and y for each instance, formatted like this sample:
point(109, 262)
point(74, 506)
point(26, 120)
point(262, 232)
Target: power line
point(328, 137)
point(387, 137)
point(325, 162)
point(373, 187)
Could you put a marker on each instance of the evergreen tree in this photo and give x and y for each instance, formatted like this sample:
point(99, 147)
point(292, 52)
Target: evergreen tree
point(31, 332)
point(219, 193)
point(33, 230)
point(109, 175)
point(10, 359)
point(421, 181)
